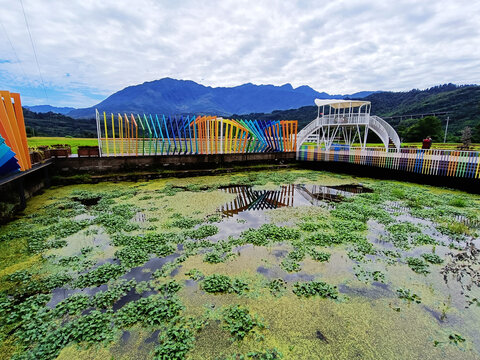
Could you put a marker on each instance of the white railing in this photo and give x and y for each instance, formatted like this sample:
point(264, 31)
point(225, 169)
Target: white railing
point(356, 119)
point(391, 133)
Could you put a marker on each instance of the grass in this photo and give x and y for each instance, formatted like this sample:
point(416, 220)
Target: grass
point(34, 142)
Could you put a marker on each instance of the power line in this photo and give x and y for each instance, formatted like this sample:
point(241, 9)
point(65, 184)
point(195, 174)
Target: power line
point(19, 63)
point(34, 51)
point(13, 49)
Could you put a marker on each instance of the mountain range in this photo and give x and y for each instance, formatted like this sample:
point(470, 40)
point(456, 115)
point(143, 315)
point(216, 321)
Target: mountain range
point(460, 104)
point(48, 108)
point(176, 97)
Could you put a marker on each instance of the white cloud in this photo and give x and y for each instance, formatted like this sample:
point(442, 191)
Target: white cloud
point(334, 46)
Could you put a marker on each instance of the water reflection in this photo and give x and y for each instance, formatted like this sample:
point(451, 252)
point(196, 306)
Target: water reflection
point(249, 199)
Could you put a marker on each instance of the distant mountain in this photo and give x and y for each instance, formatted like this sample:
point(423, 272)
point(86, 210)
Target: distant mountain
point(463, 103)
point(49, 108)
point(171, 96)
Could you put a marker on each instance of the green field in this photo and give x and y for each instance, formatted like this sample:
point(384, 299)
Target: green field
point(34, 142)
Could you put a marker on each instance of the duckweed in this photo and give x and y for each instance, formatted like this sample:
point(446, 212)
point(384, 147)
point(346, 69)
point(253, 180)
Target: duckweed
point(36, 322)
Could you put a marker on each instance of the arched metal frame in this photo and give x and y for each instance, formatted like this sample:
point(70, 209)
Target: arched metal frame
point(346, 122)
point(162, 135)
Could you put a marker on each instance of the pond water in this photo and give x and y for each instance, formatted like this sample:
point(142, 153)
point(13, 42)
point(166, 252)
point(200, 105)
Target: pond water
point(287, 264)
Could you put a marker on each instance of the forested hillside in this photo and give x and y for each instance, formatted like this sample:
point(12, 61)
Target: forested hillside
point(53, 124)
point(463, 103)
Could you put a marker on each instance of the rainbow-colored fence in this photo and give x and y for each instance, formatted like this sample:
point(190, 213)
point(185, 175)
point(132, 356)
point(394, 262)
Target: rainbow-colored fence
point(134, 135)
point(14, 153)
point(465, 164)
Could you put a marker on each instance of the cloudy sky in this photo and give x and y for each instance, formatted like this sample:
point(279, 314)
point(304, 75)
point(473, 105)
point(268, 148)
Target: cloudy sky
point(89, 49)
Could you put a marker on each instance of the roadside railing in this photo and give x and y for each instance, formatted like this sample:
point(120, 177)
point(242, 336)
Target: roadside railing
point(456, 163)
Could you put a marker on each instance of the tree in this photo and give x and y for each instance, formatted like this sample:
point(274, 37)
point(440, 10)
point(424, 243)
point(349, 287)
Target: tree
point(476, 134)
point(467, 136)
point(427, 126)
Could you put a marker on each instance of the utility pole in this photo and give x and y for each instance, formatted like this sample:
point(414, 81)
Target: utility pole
point(446, 130)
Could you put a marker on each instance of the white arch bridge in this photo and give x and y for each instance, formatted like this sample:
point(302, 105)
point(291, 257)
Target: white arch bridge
point(346, 122)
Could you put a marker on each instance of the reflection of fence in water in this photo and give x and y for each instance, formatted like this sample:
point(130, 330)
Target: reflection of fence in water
point(318, 193)
point(248, 199)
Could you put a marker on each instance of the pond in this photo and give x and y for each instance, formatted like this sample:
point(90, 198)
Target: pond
point(290, 264)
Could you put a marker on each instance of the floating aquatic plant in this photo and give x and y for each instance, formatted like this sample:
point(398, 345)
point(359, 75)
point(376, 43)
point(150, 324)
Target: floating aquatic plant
point(277, 287)
point(432, 258)
point(408, 295)
point(240, 322)
point(315, 288)
point(418, 265)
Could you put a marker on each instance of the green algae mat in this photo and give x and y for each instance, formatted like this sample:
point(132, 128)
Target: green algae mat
point(260, 265)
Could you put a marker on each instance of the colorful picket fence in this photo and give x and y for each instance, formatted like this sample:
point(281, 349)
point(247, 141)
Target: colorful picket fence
point(134, 135)
point(456, 163)
point(12, 134)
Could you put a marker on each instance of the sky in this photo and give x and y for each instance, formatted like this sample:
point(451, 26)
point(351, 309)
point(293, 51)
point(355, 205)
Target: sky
point(87, 50)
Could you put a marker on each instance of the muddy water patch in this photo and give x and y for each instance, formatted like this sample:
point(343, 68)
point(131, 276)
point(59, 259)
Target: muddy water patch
point(61, 294)
point(374, 292)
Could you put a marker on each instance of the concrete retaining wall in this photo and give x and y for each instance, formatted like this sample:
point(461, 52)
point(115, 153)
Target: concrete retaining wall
point(66, 166)
point(16, 189)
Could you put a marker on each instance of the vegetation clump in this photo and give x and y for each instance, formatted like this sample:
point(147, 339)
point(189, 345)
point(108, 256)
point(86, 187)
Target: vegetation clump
point(175, 342)
point(418, 265)
point(217, 283)
point(408, 295)
point(100, 275)
point(315, 288)
point(269, 354)
point(269, 233)
point(290, 265)
point(153, 311)
point(367, 276)
point(183, 222)
point(195, 274)
point(318, 255)
point(240, 322)
point(106, 299)
point(277, 287)
point(214, 257)
point(202, 232)
point(432, 258)
point(403, 233)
